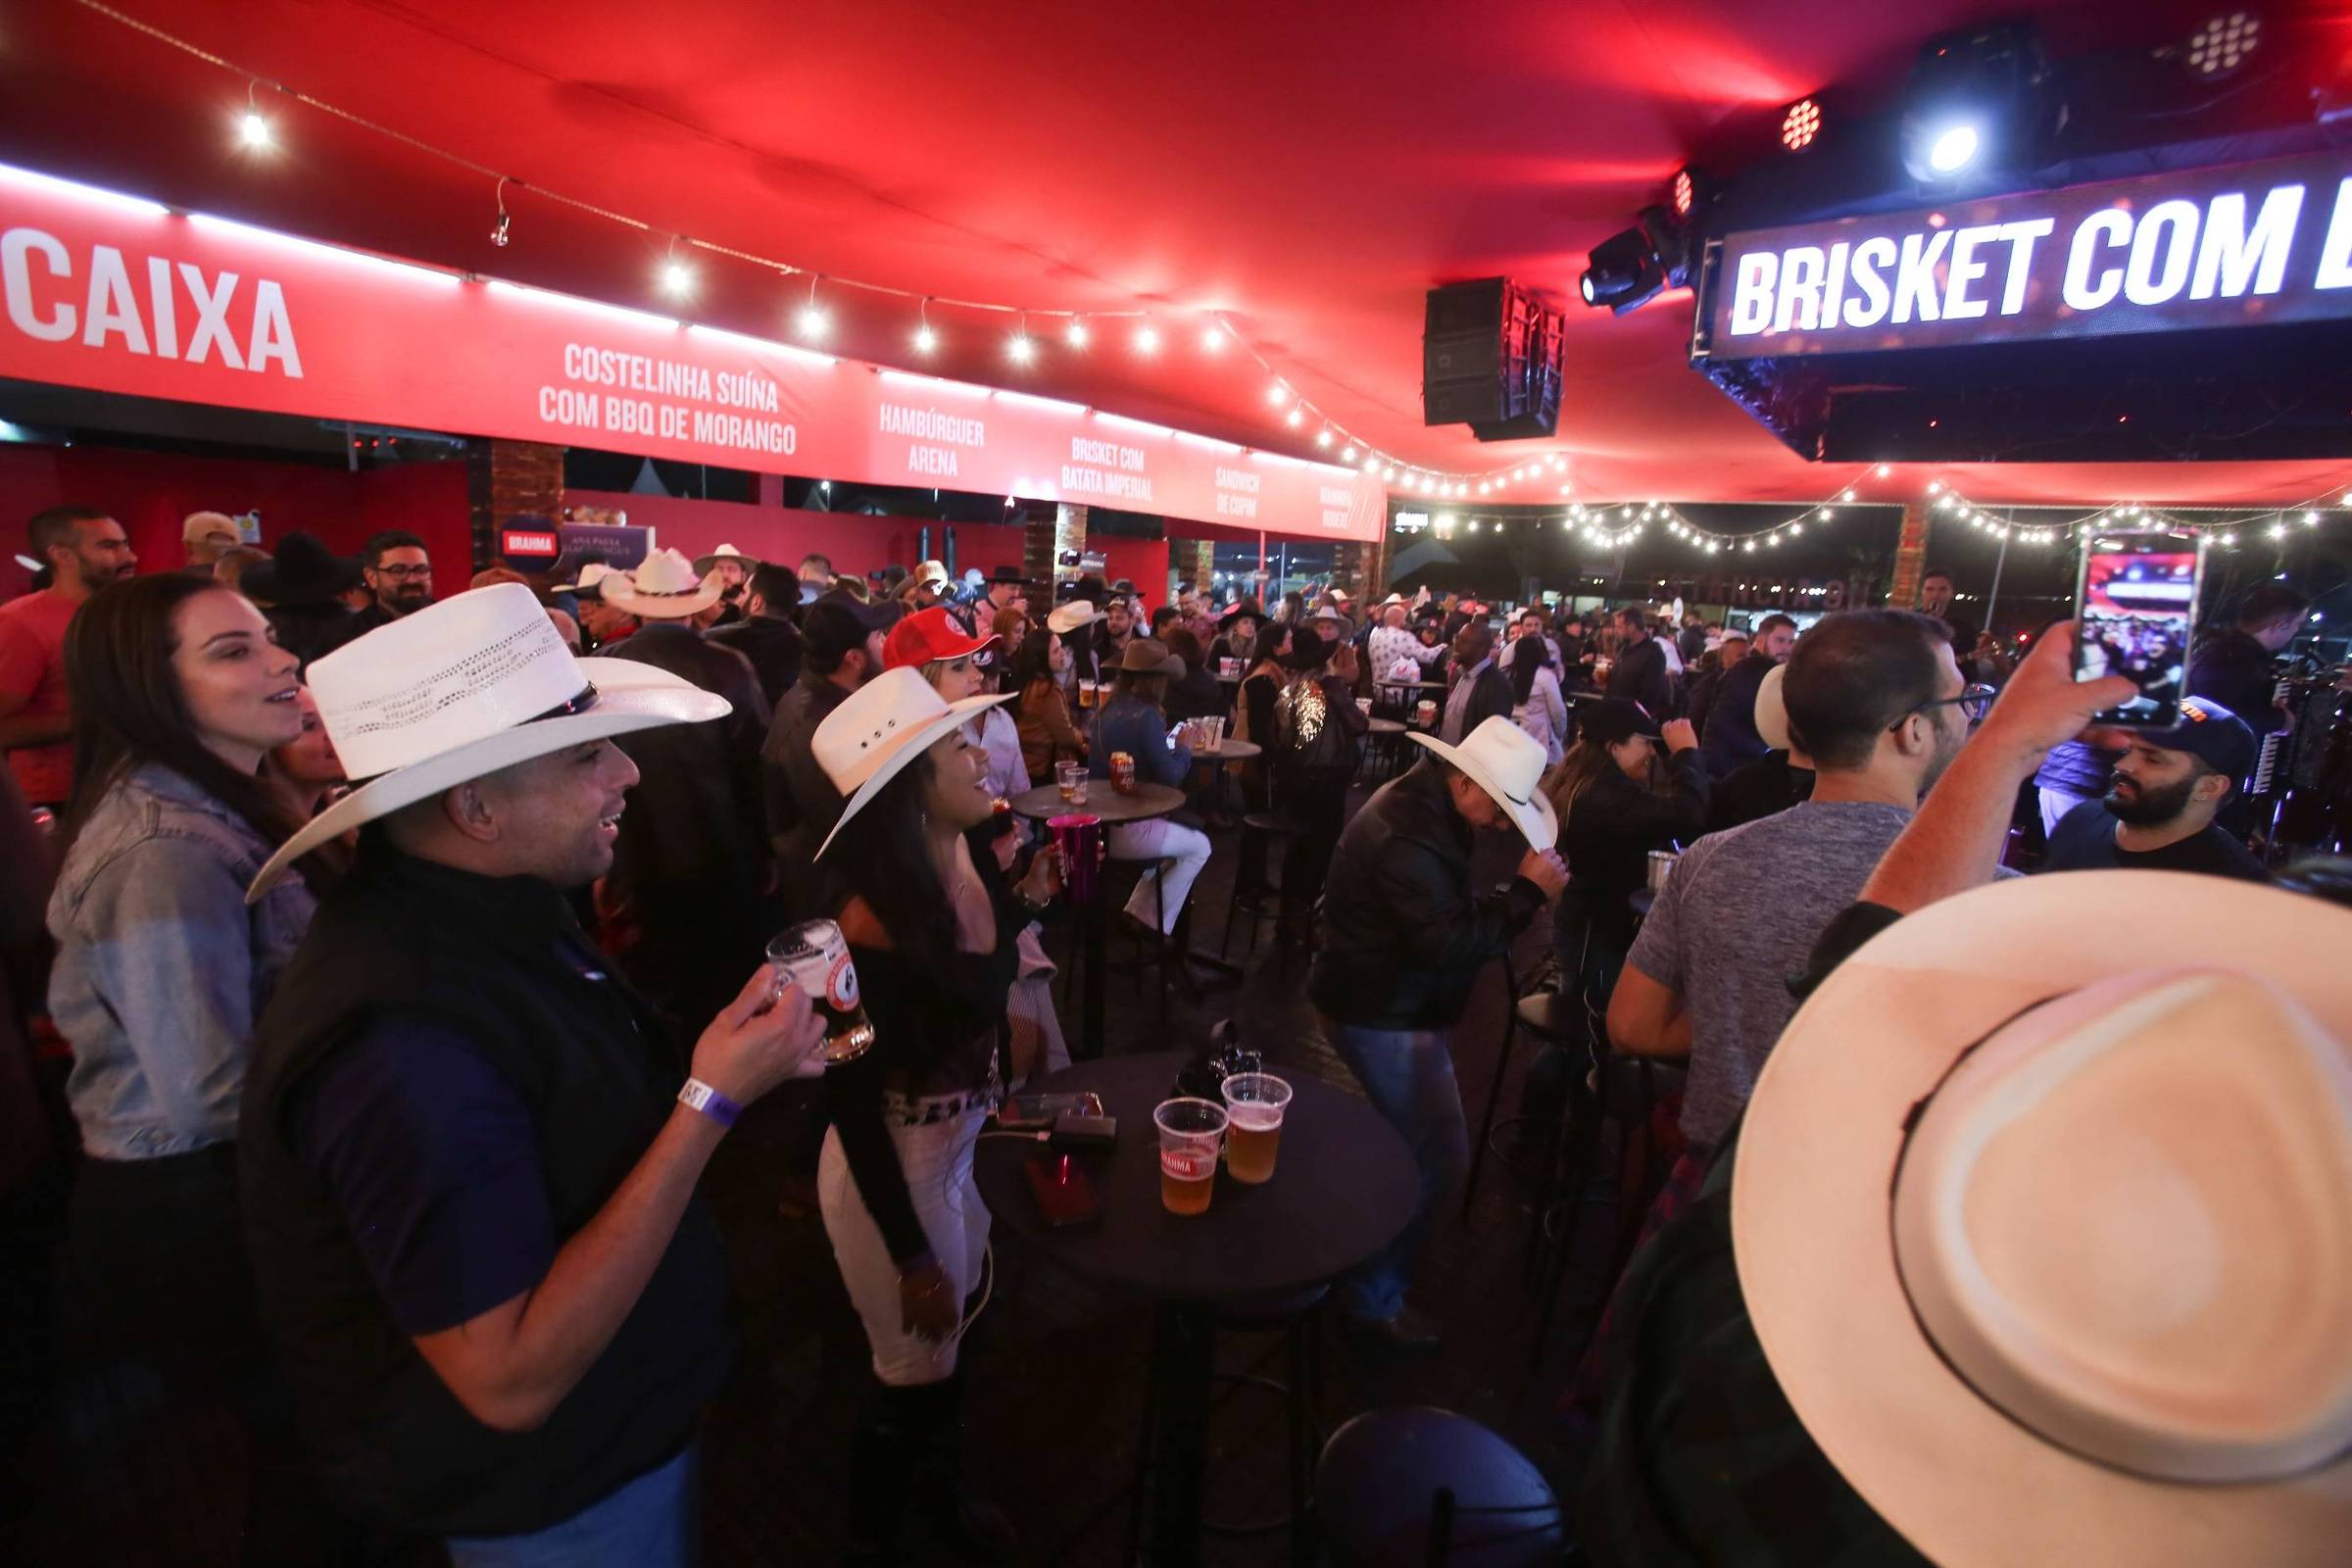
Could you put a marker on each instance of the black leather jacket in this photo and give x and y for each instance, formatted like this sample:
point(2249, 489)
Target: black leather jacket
point(1403, 934)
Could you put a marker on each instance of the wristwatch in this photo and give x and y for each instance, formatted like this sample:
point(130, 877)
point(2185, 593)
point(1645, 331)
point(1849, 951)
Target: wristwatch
point(700, 1096)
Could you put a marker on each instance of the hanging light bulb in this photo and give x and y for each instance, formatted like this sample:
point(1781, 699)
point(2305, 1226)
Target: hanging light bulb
point(1074, 335)
point(498, 230)
point(1212, 338)
point(677, 278)
point(1885, 469)
point(1278, 394)
point(925, 340)
point(1147, 339)
point(1348, 455)
point(253, 126)
point(1293, 418)
point(1323, 436)
point(812, 323)
point(1021, 348)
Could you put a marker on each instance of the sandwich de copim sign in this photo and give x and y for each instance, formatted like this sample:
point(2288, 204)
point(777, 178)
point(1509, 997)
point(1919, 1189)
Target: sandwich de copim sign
point(2248, 245)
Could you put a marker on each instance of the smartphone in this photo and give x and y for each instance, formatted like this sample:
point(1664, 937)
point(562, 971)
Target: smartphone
point(1029, 1112)
point(1063, 1193)
point(2136, 603)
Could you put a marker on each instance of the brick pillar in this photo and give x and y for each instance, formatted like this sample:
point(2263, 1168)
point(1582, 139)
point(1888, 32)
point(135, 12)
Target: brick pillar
point(1192, 560)
point(1910, 556)
point(505, 480)
point(1044, 536)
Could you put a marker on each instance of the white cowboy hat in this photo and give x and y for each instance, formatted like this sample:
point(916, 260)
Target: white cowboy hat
point(461, 689)
point(704, 565)
point(878, 729)
point(1506, 762)
point(2044, 1217)
point(930, 571)
point(665, 587)
point(1071, 614)
point(591, 574)
point(1772, 710)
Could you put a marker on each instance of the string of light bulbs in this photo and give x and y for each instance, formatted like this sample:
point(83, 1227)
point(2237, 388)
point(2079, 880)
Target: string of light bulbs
point(2275, 523)
point(677, 278)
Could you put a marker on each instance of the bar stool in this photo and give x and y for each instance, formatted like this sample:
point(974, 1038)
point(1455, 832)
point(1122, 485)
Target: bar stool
point(1260, 832)
point(1413, 1485)
point(1298, 1317)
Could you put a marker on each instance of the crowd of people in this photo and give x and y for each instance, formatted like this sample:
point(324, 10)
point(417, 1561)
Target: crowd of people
point(409, 953)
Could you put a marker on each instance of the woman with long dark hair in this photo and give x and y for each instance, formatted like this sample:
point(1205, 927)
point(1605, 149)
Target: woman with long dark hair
point(1536, 706)
point(1042, 706)
point(179, 692)
point(933, 930)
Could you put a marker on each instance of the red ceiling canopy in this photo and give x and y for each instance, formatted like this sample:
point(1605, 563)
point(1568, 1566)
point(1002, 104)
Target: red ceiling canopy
point(1307, 171)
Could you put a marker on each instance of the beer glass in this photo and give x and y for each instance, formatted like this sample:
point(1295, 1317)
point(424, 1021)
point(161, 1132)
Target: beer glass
point(1189, 1131)
point(1255, 1102)
point(815, 956)
point(1070, 779)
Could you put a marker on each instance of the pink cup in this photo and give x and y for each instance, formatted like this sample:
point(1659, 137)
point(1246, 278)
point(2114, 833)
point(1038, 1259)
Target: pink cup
point(1079, 845)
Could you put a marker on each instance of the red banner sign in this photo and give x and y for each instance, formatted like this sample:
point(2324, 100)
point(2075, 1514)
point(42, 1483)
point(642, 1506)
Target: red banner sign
point(121, 295)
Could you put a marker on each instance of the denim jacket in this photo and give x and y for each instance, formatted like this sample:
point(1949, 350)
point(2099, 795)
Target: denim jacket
point(160, 968)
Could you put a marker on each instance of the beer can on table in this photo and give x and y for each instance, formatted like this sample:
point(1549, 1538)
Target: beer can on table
point(815, 956)
point(1122, 772)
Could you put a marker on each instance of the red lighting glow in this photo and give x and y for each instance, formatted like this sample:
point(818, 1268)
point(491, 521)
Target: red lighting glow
point(1684, 193)
point(1800, 125)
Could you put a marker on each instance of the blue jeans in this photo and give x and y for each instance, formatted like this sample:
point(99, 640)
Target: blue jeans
point(1409, 1076)
point(652, 1522)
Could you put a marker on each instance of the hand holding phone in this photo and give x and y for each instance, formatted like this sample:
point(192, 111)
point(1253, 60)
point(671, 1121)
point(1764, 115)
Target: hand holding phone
point(2136, 604)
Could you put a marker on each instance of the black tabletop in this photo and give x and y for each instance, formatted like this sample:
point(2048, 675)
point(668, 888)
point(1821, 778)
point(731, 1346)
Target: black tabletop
point(1344, 1186)
point(1147, 801)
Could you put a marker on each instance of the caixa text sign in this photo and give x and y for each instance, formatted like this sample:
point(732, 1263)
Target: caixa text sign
point(2251, 244)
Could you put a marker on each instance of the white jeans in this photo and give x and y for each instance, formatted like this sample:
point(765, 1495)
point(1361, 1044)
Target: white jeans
point(1164, 841)
point(937, 1162)
point(2055, 803)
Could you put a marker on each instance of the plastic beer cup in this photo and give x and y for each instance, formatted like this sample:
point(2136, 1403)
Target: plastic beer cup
point(1255, 1103)
point(1189, 1131)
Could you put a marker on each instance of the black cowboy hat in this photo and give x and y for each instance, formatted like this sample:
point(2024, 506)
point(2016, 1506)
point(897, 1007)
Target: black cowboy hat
point(304, 572)
point(1309, 649)
point(1011, 574)
point(1248, 607)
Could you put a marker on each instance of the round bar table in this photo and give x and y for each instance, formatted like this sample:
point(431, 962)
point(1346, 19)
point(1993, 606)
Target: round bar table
point(1344, 1185)
point(1045, 803)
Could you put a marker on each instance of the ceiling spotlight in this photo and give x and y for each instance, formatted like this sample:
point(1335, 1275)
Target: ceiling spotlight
point(1800, 125)
point(1982, 98)
point(2222, 44)
point(1074, 335)
point(677, 278)
point(1623, 273)
point(1147, 339)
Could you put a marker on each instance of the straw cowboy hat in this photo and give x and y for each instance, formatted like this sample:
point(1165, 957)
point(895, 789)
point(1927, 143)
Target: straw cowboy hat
point(665, 587)
point(2044, 1217)
point(1506, 762)
point(1071, 614)
point(461, 689)
point(1772, 710)
point(704, 565)
point(878, 729)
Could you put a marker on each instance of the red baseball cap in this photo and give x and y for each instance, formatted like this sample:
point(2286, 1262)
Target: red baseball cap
point(928, 635)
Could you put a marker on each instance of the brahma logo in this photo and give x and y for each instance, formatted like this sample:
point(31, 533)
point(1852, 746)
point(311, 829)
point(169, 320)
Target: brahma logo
point(100, 304)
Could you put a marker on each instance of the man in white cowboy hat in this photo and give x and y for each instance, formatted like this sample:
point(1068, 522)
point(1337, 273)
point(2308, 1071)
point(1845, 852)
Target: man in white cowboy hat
point(1394, 649)
point(1403, 936)
point(466, 1162)
point(733, 566)
point(2008, 1263)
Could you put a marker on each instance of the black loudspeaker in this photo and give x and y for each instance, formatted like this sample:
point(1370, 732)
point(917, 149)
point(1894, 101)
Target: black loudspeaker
point(1491, 359)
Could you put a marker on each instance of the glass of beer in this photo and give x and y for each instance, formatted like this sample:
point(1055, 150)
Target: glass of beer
point(1189, 1131)
point(1255, 1102)
point(1070, 777)
point(814, 956)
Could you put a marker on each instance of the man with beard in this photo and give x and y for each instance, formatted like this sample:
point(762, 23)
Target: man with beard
point(399, 573)
point(2159, 808)
point(1096, 648)
point(84, 550)
point(1875, 697)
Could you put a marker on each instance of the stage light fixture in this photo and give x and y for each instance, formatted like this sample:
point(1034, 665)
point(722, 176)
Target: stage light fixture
point(2222, 44)
point(1979, 99)
point(1624, 271)
point(1800, 125)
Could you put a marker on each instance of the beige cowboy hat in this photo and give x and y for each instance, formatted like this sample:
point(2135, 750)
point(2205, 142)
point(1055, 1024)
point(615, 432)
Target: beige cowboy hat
point(459, 690)
point(586, 585)
point(704, 565)
point(2044, 1217)
point(1772, 710)
point(1070, 616)
point(1506, 762)
point(665, 587)
point(879, 728)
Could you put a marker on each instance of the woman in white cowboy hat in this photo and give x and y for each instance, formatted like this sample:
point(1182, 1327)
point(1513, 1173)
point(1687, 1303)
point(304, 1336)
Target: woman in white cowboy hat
point(467, 1165)
point(934, 930)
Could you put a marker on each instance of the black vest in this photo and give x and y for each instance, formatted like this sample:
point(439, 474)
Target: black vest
point(502, 963)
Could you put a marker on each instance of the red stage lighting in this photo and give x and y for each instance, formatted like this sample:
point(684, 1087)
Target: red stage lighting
point(1800, 125)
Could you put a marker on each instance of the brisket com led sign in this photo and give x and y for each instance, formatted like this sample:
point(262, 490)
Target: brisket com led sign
point(2254, 244)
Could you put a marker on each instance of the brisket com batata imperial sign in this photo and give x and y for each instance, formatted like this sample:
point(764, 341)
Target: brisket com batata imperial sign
point(122, 295)
point(2248, 245)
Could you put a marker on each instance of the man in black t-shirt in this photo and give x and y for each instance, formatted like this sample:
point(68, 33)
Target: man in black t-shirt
point(2158, 812)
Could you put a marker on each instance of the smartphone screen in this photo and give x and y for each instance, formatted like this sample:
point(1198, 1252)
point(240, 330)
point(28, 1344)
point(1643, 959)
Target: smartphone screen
point(2136, 604)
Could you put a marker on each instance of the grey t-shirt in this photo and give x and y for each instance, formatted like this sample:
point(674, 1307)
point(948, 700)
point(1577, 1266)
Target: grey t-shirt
point(1740, 915)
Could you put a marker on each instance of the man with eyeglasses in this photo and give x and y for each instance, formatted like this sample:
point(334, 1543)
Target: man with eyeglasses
point(400, 575)
point(1876, 699)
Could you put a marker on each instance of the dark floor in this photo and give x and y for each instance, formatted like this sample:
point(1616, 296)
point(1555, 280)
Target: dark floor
point(1056, 1369)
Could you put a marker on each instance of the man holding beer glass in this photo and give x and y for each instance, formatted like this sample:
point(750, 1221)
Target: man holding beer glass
point(932, 948)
